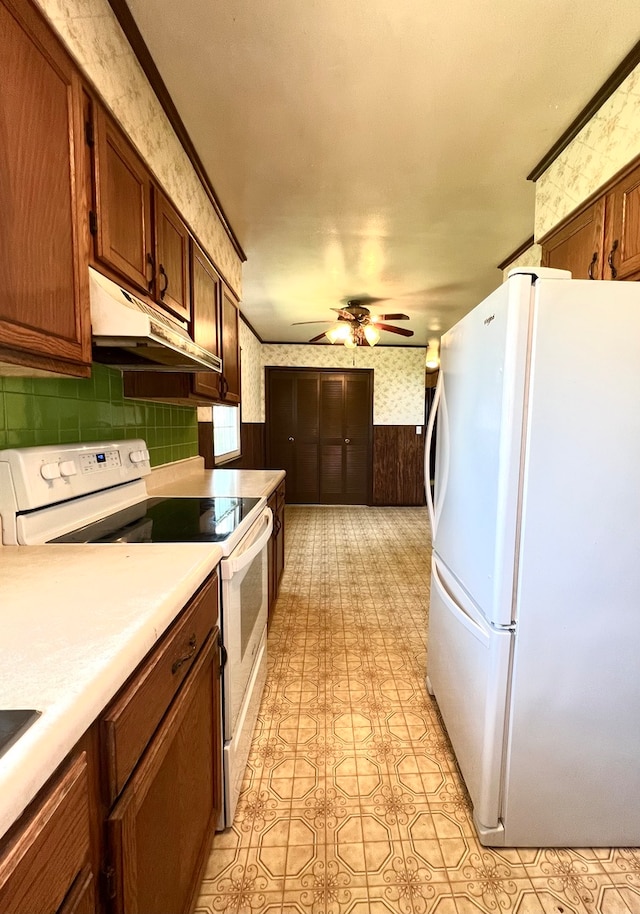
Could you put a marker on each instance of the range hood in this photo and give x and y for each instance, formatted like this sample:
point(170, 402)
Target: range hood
point(131, 335)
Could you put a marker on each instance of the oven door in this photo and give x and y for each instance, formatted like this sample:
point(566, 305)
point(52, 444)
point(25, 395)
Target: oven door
point(245, 595)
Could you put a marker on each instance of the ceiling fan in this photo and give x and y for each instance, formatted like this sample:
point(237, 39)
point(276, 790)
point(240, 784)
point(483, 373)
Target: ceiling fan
point(356, 326)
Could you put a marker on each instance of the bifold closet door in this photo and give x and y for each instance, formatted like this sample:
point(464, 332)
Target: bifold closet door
point(293, 430)
point(345, 438)
point(319, 429)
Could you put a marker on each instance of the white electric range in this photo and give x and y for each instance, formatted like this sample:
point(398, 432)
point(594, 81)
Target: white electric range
point(96, 493)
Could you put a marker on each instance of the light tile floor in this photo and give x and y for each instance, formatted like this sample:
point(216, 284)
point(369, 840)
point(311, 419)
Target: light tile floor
point(352, 801)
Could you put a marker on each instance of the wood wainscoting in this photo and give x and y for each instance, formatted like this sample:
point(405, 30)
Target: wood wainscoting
point(398, 459)
point(252, 443)
point(398, 465)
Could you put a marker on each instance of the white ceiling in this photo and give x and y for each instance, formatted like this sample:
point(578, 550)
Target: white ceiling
point(378, 147)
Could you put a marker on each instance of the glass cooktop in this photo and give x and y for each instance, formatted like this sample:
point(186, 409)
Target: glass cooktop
point(13, 724)
point(167, 520)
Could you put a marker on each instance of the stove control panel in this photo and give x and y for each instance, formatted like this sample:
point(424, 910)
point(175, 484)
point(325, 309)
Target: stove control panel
point(99, 461)
point(36, 477)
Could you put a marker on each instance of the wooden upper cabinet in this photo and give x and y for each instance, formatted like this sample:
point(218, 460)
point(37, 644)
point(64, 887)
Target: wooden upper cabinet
point(603, 240)
point(623, 228)
point(122, 219)
point(578, 245)
point(205, 300)
point(44, 293)
point(171, 258)
point(229, 380)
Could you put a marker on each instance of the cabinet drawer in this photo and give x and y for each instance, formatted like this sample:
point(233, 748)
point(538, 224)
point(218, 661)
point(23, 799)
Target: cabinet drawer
point(280, 496)
point(133, 716)
point(43, 860)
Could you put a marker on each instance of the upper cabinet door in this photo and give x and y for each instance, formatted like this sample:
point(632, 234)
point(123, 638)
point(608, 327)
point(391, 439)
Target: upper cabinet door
point(171, 258)
point(230, 378)
point(205, 300)
point(623, 230)
point(44, 291)
point(578, 245)
point(123, 205)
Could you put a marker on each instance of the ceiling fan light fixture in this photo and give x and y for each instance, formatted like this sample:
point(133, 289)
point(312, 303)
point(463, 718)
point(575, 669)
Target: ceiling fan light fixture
point(372, 334)
point(350, 342)
point(432, 360)
point(338, 333)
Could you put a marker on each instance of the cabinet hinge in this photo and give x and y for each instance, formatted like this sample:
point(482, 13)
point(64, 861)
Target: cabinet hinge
point(93, 222)
point(109, 882)
point(88, 133)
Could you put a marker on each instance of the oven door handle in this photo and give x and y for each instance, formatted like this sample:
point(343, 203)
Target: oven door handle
point(240, 557)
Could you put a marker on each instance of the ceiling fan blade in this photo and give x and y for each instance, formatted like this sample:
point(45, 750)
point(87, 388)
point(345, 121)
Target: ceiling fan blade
point(391, 329)
point(363, 300)
point(298, 323)
point(318, 337)
point(393, 317)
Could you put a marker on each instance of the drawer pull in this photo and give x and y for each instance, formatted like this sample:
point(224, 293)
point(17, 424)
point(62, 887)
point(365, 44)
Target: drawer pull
point(181, 660)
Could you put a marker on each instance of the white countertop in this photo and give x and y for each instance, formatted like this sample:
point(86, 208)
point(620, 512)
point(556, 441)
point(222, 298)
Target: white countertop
point(76, 620)
point(75, 623)
point(188, 477)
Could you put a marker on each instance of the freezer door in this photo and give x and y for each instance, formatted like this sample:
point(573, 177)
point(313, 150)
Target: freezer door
point(479, 444)
point(467, 672)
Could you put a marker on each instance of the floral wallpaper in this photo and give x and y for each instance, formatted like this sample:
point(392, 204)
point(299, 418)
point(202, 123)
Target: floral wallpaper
point(532, 257)
point(398, 375)
point(251, 375)
point(94, 38)
point(606, 144)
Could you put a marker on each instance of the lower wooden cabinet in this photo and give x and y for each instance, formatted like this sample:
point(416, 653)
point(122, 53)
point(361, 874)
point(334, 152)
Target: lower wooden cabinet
point(160, 829)
point(124, 826)
point(45, 867)
point(82, 896)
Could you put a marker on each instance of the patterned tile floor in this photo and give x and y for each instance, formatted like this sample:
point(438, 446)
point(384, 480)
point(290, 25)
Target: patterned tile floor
point(352, 802)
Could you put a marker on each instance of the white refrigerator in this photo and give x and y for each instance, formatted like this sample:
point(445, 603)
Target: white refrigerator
point(534, 619)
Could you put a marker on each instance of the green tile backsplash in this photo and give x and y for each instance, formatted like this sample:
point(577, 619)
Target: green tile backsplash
point(65, 410)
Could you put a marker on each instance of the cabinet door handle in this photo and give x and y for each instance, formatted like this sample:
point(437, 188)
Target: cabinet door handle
point(614, 248)
point(151, 263)
point(166, 282)
point(594, 261)
point(182, 660)
point(291, 438)
point(347, 440)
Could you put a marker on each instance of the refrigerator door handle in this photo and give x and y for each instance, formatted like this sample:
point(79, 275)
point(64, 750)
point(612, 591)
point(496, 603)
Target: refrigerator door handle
point(427, 452)
point(472, 626)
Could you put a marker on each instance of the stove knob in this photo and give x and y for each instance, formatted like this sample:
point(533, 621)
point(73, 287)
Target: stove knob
point(50, 470)
point(68, 468)
point(137, 457)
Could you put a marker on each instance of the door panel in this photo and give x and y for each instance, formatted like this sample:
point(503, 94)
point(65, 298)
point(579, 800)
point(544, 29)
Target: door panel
point(319, 427)
point(467, 668)
point(478, 448)
point(123, 201)
point(623, 259)
point(331, 473)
